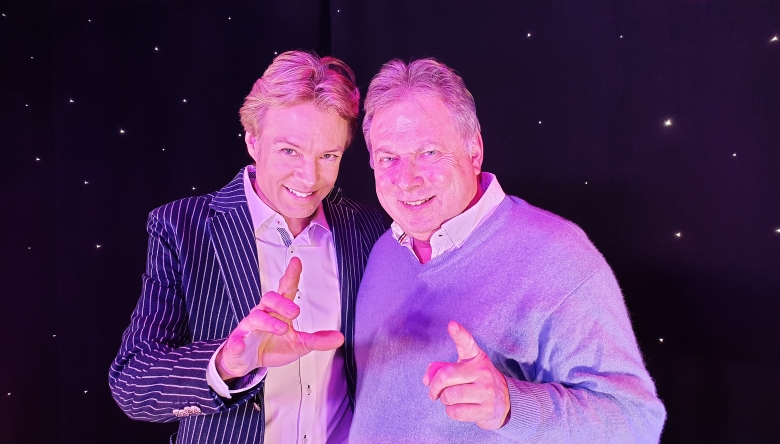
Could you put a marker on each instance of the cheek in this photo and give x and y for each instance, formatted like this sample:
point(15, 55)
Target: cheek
point(384, 185)
point(329, 172)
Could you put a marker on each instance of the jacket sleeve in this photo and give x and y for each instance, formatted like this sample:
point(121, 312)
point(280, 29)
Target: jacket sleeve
point(589, 384)
point(159, 371)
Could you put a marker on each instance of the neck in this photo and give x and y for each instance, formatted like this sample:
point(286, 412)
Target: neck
point(296, 226)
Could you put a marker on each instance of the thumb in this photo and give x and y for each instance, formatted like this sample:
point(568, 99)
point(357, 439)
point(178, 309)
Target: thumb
point(288, 284)
point(465, 344)
point(321, 340)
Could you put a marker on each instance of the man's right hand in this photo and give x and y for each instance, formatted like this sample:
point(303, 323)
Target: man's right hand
point(266, 337)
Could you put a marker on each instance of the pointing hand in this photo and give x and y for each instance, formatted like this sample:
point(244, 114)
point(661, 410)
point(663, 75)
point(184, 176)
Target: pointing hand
point(472, 388)
point(266, 337)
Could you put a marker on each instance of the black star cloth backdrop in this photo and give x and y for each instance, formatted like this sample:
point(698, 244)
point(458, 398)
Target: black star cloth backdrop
point(655, 126)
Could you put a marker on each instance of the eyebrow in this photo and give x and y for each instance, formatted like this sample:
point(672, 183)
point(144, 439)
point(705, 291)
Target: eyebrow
point(424, 146)
point(283, 139)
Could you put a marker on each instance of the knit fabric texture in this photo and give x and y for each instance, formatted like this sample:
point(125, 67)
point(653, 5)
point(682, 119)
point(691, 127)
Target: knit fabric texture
point(543, 304)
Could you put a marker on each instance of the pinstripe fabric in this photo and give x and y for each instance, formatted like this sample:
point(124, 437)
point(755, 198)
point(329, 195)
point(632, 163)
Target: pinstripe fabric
point(201, 279)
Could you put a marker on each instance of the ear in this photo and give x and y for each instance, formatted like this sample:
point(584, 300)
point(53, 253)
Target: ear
point(251, 142)
point(475, 151)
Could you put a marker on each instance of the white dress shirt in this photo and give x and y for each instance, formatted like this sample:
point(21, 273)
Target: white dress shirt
point(306, 401)
point(455, 231)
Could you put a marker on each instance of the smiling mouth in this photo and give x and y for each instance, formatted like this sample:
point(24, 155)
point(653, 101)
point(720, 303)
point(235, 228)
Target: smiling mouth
point(298, 193)
point(414, 203)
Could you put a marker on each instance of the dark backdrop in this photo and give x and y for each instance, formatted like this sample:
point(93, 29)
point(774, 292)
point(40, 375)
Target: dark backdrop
point(573, 98)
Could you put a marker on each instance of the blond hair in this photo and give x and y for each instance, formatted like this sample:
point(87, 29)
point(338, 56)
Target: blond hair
point(296, 77)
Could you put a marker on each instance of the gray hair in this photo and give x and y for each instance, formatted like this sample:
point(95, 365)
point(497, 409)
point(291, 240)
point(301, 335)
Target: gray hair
point(397, 81)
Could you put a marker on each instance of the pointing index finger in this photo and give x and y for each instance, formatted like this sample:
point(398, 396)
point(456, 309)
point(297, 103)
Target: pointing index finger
point(288, 284)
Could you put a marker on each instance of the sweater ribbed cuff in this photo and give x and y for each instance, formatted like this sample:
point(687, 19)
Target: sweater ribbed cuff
point(529, 404)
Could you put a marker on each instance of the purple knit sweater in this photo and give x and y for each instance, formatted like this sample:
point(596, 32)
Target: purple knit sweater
point(540, 301)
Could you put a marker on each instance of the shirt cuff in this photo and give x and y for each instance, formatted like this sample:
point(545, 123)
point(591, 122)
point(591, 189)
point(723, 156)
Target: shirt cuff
point(241, 384)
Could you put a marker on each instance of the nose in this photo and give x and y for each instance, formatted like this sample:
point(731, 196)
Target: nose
point(408, 175)
point(306, 173)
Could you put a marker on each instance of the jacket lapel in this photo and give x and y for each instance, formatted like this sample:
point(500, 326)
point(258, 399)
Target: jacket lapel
point(234, 245)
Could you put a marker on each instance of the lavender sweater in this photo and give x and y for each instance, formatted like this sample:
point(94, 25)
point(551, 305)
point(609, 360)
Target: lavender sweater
point(541, 302)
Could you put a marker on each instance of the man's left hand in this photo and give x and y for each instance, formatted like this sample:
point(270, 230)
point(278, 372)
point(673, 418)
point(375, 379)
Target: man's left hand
point(472, 388)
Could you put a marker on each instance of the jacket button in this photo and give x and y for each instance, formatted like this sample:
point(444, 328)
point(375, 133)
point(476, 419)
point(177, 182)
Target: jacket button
point(257, 406)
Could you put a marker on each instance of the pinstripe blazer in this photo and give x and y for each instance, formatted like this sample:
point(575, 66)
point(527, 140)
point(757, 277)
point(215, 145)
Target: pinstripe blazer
point(201, 279)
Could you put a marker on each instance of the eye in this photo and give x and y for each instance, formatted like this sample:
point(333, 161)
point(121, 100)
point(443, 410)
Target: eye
point(386, 159)
point(330, 156)
point(429, 153)
point(287, 151)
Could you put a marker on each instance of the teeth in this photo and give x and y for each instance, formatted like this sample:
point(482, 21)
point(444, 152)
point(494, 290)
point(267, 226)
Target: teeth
point(298, 193)
point(417, 202)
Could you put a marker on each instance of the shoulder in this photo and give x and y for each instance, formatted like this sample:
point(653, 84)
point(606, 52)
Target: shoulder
point(365, 215)
point(547, 237)
point(183, 211)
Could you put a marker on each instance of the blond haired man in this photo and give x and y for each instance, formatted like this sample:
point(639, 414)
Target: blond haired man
point(203, 347)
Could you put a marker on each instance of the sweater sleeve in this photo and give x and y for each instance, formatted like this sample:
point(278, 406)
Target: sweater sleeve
point(158, 370)
point(591, 384)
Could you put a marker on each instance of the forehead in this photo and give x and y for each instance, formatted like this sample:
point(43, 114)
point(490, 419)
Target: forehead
point(413, 118)
point(305, 121)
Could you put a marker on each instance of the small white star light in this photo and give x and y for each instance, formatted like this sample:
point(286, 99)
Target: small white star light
point(668, 122)
point(97, 246)
point(71, 100)
point(660, 339)
point(156, 48)
point(734, 155)
point(185, 100)
point(678, 234)
point(529, 35)
point(121, 131)
point(540, 122)
point(777, 231)
point(773, 39)
point(85, 182)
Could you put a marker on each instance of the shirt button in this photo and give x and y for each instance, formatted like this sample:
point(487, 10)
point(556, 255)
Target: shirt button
point(308, 389)
point(305, 439)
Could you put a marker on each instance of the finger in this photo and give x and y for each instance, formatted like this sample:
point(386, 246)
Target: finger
point(431, 371)
point(259, 320)
point(462, 394)
point(273, 302)
point(288, 285)
point(450, 374)
point(467, 412)
point(465, 344)
point(321, 340)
